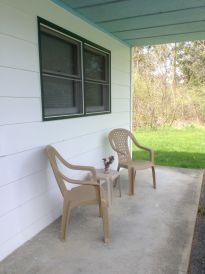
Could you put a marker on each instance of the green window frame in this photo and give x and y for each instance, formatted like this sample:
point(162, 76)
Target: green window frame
point(75, 74)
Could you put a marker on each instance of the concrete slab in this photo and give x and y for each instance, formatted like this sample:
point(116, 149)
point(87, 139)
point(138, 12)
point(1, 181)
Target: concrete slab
point(151, 232)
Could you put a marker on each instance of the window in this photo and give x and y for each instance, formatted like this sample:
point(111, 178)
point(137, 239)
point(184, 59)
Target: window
point(96, 64)
point(75, 74)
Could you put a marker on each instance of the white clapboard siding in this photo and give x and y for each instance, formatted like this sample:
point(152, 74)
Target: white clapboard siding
point(30, 198)
point(93, 158)
point(19, 110)
point(120, 77)
point(24, 27)
point(22, 110)
point(40, 134)
point(121, 105)
point(126, 68)
point(17, 166)
point(83, 144)
point(17, 193)
point(19, 83)
point(17, 53)
point(121, 58)
point(15, 241)
point(118, 91)
point(20, 218)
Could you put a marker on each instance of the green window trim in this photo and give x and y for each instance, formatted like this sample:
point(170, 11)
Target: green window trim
point(77, 81)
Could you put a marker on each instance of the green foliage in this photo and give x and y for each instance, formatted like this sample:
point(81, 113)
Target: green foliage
point(201, 210)
point(183, 147)
point(169, 85)
point(191, 60)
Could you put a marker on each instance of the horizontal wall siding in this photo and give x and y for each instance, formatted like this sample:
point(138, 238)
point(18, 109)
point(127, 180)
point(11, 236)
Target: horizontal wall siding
point(31, 110)
point(28, 162)
point(30, 198)
point(17, 220)
point(17, 53)
point(120, 92)
point(24, 235)
point(26, 82)
point(24, 27)
point(37, 134)
point(120, 77)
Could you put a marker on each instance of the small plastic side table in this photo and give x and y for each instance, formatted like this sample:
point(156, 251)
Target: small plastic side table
point(109, 178)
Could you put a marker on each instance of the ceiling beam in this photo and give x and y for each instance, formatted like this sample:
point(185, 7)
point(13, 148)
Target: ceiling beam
point(105, 3)
point(158, 26)
point(165, 35)
point(149, 14)
point(170, 39)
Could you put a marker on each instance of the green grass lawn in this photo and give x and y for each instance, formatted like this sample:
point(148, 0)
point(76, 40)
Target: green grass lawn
point(173, 147)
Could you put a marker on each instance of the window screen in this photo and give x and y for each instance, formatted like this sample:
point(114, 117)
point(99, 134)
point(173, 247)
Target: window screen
point(61, 74)
point(97, 88)
point(61, 96)
point(72, 85)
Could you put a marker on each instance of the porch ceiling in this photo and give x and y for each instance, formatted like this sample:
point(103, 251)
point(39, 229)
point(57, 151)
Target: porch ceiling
point(138, 22)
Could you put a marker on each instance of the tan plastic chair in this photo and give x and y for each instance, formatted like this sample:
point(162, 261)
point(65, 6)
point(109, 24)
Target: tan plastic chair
point(119, 139)
point(87, 192)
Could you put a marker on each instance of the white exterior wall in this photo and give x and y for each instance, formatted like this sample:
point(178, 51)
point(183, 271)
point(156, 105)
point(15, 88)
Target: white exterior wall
point(29, 196)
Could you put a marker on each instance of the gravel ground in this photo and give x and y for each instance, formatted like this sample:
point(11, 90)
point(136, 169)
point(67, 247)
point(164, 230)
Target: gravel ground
point(197, 259)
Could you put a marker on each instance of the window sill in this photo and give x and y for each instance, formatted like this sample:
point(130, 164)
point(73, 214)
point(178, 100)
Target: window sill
point(74, 116)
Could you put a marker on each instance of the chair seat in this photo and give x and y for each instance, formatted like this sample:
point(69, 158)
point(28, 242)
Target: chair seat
point(139, 164)
point(70, 186)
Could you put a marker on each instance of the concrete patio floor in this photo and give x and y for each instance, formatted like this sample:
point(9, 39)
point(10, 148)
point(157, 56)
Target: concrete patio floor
point(151, 232)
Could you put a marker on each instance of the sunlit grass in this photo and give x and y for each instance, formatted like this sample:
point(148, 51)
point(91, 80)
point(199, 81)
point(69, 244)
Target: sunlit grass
point(173, 147)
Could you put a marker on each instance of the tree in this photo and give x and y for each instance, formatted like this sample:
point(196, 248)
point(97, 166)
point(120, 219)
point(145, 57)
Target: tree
point(169, 84)
point(191, 61)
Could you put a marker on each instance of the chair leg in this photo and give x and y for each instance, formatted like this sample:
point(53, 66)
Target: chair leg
point(130, 175)
point(154, 177)
point(100, 210)
point(104, 211)
point(115, 182)
point(109, 191)
point(133, 181)
point(134, 174)
point(65, 219)
point(98, 197)
point(119, 185)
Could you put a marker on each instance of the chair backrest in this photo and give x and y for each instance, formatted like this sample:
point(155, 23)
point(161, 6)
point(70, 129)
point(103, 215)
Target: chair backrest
point(53, 156)
point(119, 141)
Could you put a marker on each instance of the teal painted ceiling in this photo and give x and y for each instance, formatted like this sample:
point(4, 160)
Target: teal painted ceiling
point(144, 22)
